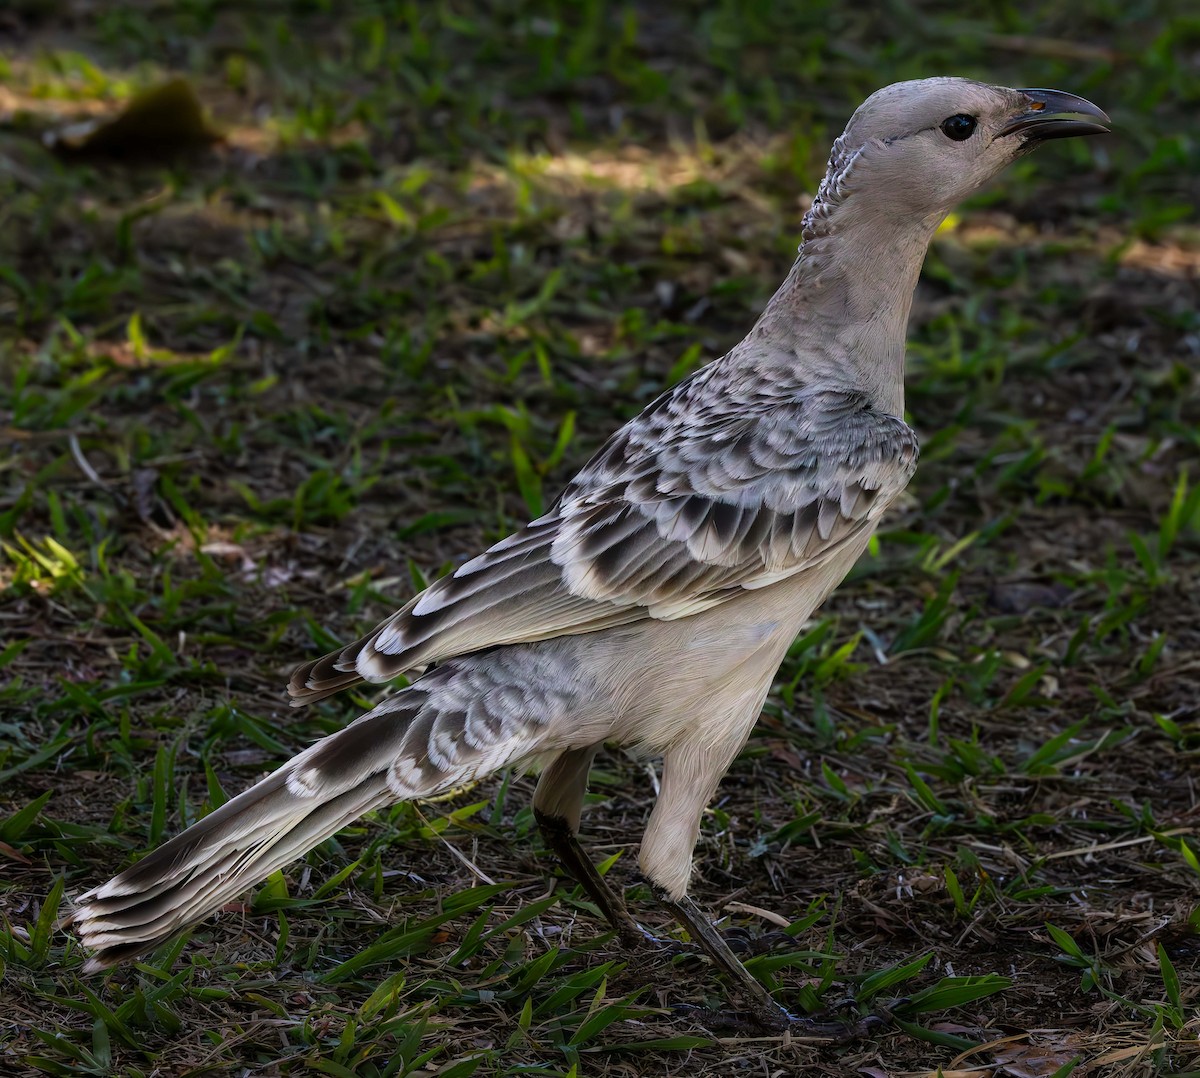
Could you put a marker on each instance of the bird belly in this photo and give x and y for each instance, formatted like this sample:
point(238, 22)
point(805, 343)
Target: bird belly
point(706, 676)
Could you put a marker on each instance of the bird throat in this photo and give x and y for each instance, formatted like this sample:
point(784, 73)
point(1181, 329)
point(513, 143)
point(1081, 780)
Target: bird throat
point(841, 315)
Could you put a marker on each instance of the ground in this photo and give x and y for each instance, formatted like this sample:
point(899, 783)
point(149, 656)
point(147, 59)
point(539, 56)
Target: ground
point(254, 393)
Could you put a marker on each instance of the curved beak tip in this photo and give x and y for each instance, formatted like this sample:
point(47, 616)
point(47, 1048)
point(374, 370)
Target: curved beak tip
point(1051, 114)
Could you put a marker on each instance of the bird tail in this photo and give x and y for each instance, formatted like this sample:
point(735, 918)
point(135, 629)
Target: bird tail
point(416, 744)
point(209, 864)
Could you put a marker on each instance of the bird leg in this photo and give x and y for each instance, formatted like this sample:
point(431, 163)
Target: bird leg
point(560, 837)
point(765, 1011)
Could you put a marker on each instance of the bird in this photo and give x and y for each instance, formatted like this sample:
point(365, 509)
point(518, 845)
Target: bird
point(653, 603)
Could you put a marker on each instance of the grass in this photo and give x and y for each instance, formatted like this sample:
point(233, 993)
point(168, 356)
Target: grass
point(254, 396)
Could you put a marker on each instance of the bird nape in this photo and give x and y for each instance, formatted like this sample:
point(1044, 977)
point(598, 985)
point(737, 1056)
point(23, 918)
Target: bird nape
point(653, 604)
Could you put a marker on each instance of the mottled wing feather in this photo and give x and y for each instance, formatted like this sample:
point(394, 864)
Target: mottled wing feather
point(740, 499)
point(512, 593)
point(707, 493)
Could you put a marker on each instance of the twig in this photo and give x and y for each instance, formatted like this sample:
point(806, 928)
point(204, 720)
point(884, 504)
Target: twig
point(1080, 850)
point(757, 911)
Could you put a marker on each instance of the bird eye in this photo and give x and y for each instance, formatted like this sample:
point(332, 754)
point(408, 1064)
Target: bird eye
point(959, 127)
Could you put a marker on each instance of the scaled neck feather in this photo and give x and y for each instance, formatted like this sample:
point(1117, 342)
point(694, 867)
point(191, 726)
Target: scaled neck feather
point(841, 315)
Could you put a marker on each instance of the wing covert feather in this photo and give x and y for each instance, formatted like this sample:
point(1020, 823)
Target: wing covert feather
point(707, 493)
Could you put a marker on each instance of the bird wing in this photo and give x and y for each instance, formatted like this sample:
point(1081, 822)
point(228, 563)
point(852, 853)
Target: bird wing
point(706, 494)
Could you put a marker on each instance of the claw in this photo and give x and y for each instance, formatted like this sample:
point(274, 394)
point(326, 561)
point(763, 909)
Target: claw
point(730, 1021)
point(776, 1020)
point(645, 940)
point(842, 1031)
point(744, 942)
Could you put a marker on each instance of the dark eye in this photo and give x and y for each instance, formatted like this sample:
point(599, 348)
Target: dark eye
point(959, 127)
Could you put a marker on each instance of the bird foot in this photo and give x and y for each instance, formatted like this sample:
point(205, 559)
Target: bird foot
point(774, 1019)
point(740, 941)
point(746, 943)
point(636, 938)
point(851, 1029)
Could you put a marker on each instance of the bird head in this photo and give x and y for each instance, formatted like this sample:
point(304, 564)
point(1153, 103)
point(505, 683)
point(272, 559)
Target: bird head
point(928, 144)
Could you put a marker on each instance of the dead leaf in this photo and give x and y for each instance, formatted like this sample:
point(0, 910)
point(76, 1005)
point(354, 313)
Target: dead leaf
point(1033, 1060)
point(159, 122)
point(13, 855)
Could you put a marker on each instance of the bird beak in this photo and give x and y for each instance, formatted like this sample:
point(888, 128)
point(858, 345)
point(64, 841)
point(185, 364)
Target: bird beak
point(1053, 114)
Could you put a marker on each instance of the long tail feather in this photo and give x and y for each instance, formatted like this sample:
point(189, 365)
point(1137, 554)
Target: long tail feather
point(211, 863)
point(465, 719)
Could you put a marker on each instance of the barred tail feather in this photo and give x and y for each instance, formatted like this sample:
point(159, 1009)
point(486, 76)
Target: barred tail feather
point(211, 863)
point(463, 720)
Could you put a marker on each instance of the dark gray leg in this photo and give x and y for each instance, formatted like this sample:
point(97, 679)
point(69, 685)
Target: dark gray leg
point(557, 805)
point(764, 1011)
point(763, 1008)
point(565, 846)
